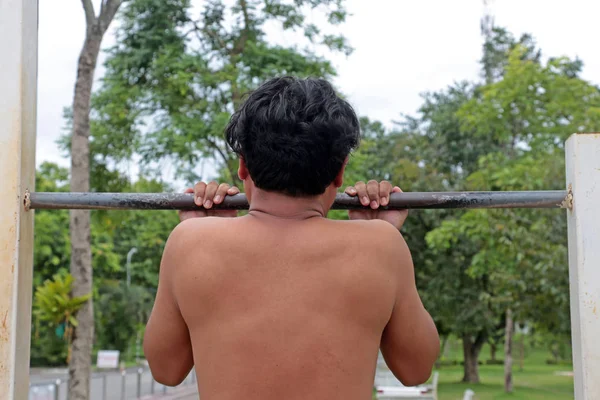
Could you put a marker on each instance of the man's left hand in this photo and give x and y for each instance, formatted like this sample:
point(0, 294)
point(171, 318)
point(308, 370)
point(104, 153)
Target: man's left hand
point(207, 195)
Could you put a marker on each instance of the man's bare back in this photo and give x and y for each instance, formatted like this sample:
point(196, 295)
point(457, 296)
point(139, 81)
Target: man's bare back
point(284, 310)
point(284, 303)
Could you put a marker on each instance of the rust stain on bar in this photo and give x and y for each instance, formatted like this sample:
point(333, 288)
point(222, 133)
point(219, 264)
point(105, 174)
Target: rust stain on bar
point(410, 200)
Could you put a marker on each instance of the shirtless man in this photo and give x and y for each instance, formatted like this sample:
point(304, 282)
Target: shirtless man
point(284, 303)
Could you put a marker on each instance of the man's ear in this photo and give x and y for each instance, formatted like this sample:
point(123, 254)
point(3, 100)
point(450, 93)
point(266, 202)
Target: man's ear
point(339, 178)
point(243, 170)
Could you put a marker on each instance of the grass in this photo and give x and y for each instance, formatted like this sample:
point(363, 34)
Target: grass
point(537, 380)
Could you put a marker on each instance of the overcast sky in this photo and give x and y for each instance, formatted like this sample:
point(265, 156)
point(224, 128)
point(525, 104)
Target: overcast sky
point(402, 49)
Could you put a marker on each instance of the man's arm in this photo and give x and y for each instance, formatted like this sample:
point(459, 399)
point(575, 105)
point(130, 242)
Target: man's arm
point(410, 343)
point(167, 344)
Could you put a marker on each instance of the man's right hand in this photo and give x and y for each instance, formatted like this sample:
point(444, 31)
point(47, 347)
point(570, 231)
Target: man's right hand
point(206, 195)
point(374, 194)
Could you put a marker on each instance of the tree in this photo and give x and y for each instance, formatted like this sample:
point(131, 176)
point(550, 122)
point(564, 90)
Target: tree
point(81, 255)
point(528, 112)
point(508, 358)
point(499, 43)
point(173, 80)
point(443, 153)
point(495, 337)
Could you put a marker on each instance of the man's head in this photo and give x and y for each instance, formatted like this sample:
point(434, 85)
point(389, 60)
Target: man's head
point(293, 136)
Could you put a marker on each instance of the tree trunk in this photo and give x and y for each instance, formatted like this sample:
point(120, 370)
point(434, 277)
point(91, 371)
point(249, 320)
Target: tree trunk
point(493, 350)
point(471, 351)
point(442, 354)
point(444, 346)
point(508, 361)
point(81, 254)
point(522, 351)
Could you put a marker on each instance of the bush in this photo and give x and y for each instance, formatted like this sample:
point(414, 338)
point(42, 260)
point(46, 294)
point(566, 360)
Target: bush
point(121, 312)
point(48, 348)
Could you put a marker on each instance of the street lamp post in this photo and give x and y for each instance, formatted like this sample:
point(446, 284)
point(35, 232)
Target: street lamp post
point(128, 265)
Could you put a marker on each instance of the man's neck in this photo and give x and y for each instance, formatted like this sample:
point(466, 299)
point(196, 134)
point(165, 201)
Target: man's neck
point(278, 205)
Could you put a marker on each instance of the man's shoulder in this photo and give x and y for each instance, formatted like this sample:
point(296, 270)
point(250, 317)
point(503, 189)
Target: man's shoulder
point(375, 234)
point(374, 226)
point(196, 231)
point(200, 223)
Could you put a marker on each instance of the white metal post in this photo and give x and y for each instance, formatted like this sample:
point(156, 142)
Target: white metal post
point(18, 87)
point(583, 177)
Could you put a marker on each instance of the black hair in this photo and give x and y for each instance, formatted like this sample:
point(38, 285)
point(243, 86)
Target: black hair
point(294, 135)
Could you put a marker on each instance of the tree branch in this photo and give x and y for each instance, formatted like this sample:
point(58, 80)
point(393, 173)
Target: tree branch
point(90, 14)
point(232, 174)
point(107, 12)
point(241, 43)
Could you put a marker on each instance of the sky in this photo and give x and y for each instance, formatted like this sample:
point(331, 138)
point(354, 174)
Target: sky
point(403, 48)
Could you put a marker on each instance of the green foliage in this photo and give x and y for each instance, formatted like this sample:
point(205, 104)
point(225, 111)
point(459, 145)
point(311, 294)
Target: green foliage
point(499, 43)
point(53, 302)
point(130, 306)
point(527, 113)
point(47, 348)
point(52, 245)
point(113, 234)
point(445, 145)
point(174, 78)
point(147, 231)
point(55, 307)
point(534, 107)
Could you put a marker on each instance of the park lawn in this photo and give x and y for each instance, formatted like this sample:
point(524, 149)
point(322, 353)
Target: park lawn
point(537, 380)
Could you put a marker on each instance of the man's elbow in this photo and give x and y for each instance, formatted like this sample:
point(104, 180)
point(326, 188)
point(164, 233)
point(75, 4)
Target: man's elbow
point(168, 373)
point(166, 378)
point(421, 372)
point(415, 369)
point(415, 376)
point(168, 370)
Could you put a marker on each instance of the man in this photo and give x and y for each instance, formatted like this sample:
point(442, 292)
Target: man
point(283, 303)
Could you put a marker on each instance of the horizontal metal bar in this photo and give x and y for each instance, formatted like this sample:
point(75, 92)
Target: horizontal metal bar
point(185, 201)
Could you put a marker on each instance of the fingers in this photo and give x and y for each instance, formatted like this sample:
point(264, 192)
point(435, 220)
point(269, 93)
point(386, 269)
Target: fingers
point(224, 190)
point(350, 191)
point(361, 192)
point(221, 193)
point(385, 188)
point(373, 193)
point(199, 190)
point(205, 195)
point(209, 194)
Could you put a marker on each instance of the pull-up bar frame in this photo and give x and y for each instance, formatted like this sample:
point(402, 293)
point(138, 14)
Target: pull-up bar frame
point(18, 88)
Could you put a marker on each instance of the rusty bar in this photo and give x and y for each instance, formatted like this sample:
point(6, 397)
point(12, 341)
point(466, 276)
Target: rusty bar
point(411, 200)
